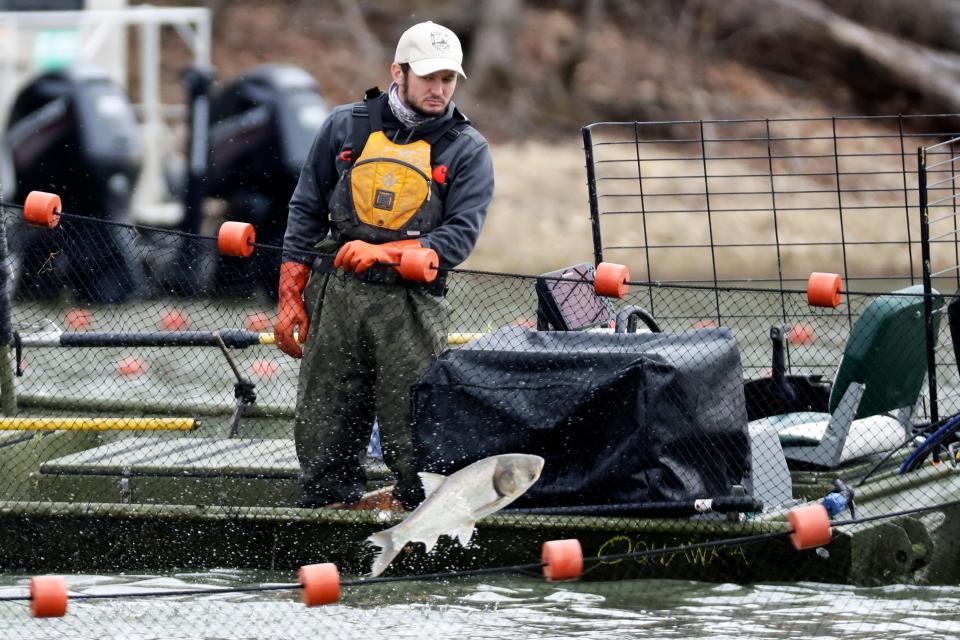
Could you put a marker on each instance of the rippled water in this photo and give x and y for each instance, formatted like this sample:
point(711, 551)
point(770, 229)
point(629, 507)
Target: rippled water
point(509, 607)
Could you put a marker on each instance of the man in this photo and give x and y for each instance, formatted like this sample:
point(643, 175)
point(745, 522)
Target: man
point(399, 170)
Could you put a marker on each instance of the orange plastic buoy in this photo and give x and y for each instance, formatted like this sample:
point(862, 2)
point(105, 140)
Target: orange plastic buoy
point(823, 289)
point(320, 584)
point(704, 324)
point(236, 239)
point(800, 334)
point(42, 209)
point(563, 559)
point(610, 280)
point(419, 264)
point(48, 596)
point(78, 319)
point(809, 526)
point(131, 366)
point(264, 368)
point(258, 321)
point(174, 320)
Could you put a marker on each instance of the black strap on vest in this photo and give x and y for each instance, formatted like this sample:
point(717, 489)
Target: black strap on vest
point(374, 112)
point(368, 117)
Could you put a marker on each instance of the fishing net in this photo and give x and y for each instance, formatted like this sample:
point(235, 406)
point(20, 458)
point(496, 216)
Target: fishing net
point(152, 452)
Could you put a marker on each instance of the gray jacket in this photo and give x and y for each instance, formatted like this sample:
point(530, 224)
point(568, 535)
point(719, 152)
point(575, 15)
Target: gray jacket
point(469, 186)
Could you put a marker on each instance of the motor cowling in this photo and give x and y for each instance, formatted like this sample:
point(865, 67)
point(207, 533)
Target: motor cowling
point(263, 124)
point(74, 132)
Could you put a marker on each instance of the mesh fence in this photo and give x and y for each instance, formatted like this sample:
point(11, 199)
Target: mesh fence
point(679, 426)
point(723, 201)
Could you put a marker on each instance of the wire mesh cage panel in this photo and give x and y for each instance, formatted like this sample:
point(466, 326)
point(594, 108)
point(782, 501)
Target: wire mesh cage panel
point(767, 201)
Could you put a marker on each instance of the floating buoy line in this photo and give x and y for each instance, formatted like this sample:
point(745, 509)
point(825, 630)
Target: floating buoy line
point(809, 527)
point(238, 239)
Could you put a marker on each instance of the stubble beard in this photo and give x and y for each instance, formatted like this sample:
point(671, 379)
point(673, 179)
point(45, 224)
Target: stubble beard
point(417, 109)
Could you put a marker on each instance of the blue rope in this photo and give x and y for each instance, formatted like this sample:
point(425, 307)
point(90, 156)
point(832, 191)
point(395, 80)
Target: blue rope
point(921, 452)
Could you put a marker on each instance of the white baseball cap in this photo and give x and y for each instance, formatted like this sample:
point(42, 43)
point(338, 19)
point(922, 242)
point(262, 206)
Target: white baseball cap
point(429, 47)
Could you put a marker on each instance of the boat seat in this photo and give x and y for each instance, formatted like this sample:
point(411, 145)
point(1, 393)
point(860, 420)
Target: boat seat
point(570, 306)
point(881, 372)
point(567, 301)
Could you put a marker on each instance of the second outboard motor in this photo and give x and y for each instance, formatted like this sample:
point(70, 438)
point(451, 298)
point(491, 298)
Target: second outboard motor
point(73, 132)
point(263, 125)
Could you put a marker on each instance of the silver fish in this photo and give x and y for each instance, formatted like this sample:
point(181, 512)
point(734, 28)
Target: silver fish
point(454, 503)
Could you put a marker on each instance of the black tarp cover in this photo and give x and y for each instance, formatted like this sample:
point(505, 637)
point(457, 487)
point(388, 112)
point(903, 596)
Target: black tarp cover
point(619, 418)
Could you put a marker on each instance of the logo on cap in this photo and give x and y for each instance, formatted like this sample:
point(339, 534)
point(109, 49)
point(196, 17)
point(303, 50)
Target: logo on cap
point(439, 41)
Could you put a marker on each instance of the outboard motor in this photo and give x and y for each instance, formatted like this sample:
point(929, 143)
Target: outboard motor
point(73, 132)
point(263, 125)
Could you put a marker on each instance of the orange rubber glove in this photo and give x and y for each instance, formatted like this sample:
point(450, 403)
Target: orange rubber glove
point(359, 256)
point(291, 312)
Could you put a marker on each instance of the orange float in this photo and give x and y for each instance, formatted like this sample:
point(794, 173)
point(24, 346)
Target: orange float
point(42, 209)
point(801, 334)
point(264, 368)
point(809, 526)
point(257, 321)
point(236, 239)
point(823, 289)
point(319, 584)
point(610, 280)
point(78, 319)
point(131, 366)
point(562, 559)
point(419, 264)
point(48, 596)
point(174, 320)
point(704, 324)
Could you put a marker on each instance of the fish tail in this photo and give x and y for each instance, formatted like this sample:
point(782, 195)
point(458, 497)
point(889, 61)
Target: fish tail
point(388, 551)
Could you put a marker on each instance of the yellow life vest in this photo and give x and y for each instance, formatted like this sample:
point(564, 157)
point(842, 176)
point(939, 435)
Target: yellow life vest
point(391, 191)
point(390, 182)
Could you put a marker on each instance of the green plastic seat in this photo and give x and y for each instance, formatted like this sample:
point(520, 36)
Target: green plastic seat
point(882, 370)
point(886, 352)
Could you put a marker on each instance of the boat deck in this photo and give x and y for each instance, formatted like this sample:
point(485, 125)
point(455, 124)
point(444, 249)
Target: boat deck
point(241, 471)
point(182, 457)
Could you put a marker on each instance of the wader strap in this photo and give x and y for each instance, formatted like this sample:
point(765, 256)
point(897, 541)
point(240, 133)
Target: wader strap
point(374, 112)
point(445, 136)
point(368, 117)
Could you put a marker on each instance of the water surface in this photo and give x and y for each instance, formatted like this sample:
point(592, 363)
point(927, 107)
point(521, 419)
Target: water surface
point(506, 607)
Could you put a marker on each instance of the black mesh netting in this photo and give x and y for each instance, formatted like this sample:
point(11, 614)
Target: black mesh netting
point(150, 449)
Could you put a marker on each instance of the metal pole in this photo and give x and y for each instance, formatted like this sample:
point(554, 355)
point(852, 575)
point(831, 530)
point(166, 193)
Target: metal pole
point(706, 195)
point(197, 81)
point(592, 191)
point(927, 287)
point(8, 392)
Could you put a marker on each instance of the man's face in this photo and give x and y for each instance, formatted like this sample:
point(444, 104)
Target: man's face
point(427, 95)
